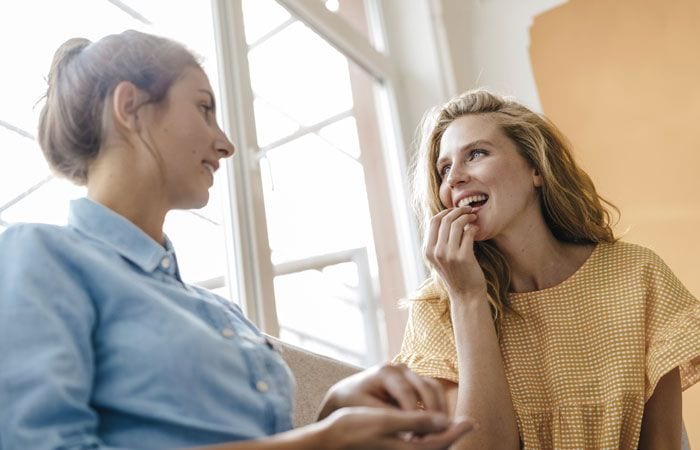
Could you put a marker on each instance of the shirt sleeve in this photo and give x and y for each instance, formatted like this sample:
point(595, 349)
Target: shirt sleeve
point(46, 321)
point(672, 327)
point(428, 346)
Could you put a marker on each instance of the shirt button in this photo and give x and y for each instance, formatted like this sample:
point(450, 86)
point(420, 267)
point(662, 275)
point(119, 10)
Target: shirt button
point(165, 263)
point(261, 386)
point(227, 332)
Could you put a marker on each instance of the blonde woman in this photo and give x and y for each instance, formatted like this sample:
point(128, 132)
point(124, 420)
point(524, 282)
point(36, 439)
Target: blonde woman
point(103, 345)
point(536, 318)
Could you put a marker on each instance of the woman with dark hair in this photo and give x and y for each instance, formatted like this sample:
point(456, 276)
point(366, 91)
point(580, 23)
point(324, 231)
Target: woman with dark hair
point(102, 344)
point(552, 332)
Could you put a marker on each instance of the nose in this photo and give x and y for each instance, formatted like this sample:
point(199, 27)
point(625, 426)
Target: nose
point(457, 176)
point(224, 147)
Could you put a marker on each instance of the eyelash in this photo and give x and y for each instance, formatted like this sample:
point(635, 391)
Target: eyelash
point(442, 171)
point(207, 108)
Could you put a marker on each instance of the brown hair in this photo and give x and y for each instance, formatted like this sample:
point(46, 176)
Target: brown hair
point(572, 208)
point(83, 75)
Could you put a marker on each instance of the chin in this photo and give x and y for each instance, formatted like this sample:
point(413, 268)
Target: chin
point(194, 203)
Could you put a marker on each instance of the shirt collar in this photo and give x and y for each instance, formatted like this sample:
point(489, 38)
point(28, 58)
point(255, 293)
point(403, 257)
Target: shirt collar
point(103, 224)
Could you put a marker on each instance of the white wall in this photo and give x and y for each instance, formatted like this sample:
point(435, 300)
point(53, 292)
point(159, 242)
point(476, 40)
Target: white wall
point(489, 42)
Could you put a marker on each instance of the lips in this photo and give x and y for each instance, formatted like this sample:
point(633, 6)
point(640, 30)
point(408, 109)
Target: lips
point(476, 201)
point(209, 168)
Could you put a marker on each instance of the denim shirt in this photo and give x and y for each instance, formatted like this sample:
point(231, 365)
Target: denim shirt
point(103, 346)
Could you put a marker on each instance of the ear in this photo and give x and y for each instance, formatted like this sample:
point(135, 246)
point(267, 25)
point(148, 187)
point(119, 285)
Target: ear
point(126, 101)
point(536, 178)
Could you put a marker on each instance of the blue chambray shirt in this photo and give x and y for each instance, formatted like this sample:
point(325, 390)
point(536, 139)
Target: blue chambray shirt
point(103, 346)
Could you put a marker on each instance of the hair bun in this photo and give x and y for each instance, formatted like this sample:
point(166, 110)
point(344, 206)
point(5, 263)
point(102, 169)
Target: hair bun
point(64, 55)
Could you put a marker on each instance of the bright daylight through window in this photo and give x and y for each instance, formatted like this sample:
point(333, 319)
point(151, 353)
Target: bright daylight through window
point(317, 170)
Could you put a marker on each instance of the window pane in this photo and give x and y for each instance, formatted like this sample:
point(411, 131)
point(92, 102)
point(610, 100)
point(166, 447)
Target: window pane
point(324, 303)
point(261, 17)
point(40, 26)
point(271, 124)
point(48, 204)
point(315, 200)
point(343, 136)
point(301, 75)
point(21, 165)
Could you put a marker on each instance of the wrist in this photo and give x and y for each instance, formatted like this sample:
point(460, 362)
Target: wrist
point(323, 436)
point(462, 297)
point(329, 404)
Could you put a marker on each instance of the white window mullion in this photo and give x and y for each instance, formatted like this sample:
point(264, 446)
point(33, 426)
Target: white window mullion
point(248, 248)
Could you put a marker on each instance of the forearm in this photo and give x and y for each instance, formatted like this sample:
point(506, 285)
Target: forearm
point(306, 438)
point(661, 423)
point(482, 389)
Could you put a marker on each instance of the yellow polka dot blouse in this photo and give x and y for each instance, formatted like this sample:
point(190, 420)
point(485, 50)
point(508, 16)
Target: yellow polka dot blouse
point(582, 357)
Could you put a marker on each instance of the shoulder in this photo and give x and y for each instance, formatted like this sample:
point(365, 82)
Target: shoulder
point(429, 290)
point(22, 240)
point(40, 269)
point(429, 304)
point(627, 255)
point(644, 267)
point(37, 252)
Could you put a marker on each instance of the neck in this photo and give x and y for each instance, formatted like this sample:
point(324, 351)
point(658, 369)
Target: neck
point(538, 260)
point(126, 187)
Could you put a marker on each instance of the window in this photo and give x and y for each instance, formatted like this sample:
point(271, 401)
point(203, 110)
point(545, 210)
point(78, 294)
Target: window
point(316, 231)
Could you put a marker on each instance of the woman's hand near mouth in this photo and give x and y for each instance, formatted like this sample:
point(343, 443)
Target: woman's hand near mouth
point(450, 250)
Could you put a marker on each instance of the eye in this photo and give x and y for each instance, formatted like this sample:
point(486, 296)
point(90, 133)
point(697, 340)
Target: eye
point(476, 154)
point(444, 170)
point(207, 109)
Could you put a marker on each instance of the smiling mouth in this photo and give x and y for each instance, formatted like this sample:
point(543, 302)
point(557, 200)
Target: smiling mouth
point(209, 167)
point(475, 201)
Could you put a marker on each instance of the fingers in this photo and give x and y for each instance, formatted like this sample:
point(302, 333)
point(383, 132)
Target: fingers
point(468, 234)
point(419, 422)
point(411, 391)
point(398, 386)
point(443, 440)
point(430, 393)
point(362, 427)
point(433, 232)
point(446, 231)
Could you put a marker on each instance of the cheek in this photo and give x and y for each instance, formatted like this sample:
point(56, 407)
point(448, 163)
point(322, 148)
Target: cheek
point(445, 196)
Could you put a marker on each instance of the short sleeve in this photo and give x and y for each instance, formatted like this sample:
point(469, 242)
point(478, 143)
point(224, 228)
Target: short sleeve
point(672, 327)
point(428, 346)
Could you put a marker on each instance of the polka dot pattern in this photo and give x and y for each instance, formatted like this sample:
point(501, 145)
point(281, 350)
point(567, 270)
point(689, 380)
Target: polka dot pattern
point(582, 357)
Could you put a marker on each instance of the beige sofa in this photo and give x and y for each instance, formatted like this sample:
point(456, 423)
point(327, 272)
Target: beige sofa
point(315, 374)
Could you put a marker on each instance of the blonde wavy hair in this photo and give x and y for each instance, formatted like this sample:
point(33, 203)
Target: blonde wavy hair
point(572, 208)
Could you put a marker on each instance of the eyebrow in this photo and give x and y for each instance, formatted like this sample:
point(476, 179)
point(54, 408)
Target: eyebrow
point(211, 97)
point(473, 144)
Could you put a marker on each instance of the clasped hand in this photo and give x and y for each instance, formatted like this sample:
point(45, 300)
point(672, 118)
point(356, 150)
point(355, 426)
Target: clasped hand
point(389, 407)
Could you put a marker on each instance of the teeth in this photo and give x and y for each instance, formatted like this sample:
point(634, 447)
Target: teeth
point(471, 199)
point(209, 167)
